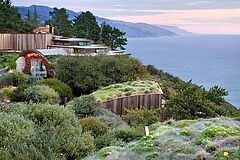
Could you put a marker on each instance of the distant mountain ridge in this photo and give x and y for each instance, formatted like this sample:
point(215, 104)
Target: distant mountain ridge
point(43, 12)
point(176, 30)
point(133, 30)
point(137, 30)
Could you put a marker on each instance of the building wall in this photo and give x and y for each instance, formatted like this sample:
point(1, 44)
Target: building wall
point(18, 42)
point(68, 50)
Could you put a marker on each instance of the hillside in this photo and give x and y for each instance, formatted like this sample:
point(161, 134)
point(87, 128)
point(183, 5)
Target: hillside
point(84, 129)
point(137, 30)
point(216, 138)
point(176, 30)
point(133, 30)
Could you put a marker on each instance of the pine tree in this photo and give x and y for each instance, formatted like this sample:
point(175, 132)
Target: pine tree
point(60, 21)
point(35, 17)
point(28, 15)
point(86, 26)
point(10, 20)
point(113, 37)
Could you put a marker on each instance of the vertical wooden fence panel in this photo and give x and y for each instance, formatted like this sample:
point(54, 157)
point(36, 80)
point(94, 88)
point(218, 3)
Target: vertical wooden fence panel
point(15, 41)
point(119, 105)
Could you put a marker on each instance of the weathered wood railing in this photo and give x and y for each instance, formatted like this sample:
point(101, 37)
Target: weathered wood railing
point(119, 105)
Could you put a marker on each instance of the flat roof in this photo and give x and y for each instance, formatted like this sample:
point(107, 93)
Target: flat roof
point(72, 40)
point(82, 47)
point(48, 52)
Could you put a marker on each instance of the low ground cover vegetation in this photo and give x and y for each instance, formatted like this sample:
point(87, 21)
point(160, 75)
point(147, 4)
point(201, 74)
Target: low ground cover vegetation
point(180, 140)
point(127, 89)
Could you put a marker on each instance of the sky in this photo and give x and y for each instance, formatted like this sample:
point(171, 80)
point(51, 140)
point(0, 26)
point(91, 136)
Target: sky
point(198, 16)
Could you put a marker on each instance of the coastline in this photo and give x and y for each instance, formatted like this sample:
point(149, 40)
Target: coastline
point(206, 59)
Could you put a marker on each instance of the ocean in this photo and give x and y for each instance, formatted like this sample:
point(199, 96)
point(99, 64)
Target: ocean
point(207, 60)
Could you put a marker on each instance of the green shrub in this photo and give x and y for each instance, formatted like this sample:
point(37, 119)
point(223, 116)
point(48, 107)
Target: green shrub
point(16, 133)
point(6, 92)
point(237, 118)
point(84, 105)
point(163, 76)
point(141, 117)
point(89, 142)
point(22, 128)
point(18, 93)
point(216, 94)
point(61, 88)
point(32, 79)
point(19, 78)
point(105, 151)
point(190, 102)
point(186, 100)
point(211, 148)
point(93, 125)
point(14, 78)
point(119, 136)
point(112, 121)
point(215, 131)
point(108, 117)
point(145, 145)
point(44, 114)
point(8, 60)
point(186, 150)
point(186, 132)
point(183, 123)
point(104, 141)
point(94, 72)
point(128, 93)
point(58, 131)
point(127, 134)
point(41, 94)
point(210, 133)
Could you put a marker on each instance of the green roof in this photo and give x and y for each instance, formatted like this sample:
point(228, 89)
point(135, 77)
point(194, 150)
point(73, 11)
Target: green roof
point(127, 89)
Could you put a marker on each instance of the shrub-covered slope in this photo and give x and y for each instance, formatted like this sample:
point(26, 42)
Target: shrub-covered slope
point(86, 74)
point(217, 138)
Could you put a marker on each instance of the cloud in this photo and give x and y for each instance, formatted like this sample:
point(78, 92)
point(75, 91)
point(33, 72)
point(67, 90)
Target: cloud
point(137, 4)
point(194, 15)
point(199, 21)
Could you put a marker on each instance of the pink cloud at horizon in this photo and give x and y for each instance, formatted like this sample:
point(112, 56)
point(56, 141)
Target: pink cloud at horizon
point(225, 21)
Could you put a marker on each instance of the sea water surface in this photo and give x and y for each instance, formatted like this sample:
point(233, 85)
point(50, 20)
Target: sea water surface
point(206, 59)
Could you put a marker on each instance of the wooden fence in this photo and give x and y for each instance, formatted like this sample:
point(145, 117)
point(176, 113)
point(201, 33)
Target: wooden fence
point(119, 105)
point(15, 41)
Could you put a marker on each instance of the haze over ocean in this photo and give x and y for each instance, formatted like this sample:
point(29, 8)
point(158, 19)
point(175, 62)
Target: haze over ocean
point(206, 59)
